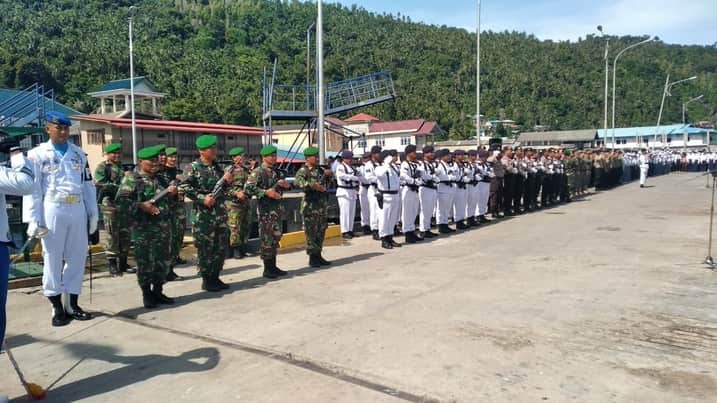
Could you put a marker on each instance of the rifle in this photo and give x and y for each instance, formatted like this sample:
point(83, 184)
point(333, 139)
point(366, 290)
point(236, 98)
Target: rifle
point(159, 196)
point(218, 190)
point(128, 167)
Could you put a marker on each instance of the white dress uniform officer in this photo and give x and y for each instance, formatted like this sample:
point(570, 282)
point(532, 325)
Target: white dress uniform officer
point(364, 203)
point(485, 177)
point(644, 167)
point(347, 182)
point(428, 193)
point(472, 206)
point(62, 202)
point(460, 195)
point(411, 181)
point(387, 180)
point(447, 176)
point(369, 169)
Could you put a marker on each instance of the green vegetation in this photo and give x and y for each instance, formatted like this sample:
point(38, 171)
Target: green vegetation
point(208, 55)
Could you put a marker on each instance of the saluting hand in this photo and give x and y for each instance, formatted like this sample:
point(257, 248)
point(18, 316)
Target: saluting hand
point(149, 208)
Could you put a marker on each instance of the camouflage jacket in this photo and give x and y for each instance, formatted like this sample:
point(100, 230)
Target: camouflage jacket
point(199, 182)
point(305, 180)
point(260, 180)
point(108, 177)
point(240, 175)
point(137, 188)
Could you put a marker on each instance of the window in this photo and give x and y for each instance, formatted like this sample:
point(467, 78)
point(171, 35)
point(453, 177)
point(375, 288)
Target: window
point(361, 143)
point(405, 141)
point(186, 142)
point(96, 136)
point(379, 142)
point(161, 135)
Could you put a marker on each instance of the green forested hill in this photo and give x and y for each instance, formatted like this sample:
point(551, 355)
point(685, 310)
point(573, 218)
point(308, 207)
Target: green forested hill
point(208, 55)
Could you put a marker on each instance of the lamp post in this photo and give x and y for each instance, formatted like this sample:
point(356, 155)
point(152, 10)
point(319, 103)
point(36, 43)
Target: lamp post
point(607, 69)
point(320, 82)
point(614, 65)
point(308, 66)
point(684, 127)
point(130, 16)
point(478, 77)
point(665, 93)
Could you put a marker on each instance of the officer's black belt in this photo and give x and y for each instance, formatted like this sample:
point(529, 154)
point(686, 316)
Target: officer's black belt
point(346, 187)
point(447, 182)
point(365, 186)
point(429, 186)
point(388, 192)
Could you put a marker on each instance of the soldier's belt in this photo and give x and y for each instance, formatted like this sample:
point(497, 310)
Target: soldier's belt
point(63, 198)
point(365, 186)
point(388, 192)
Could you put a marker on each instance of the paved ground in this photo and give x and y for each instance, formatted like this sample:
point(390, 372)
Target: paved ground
point(600, 300)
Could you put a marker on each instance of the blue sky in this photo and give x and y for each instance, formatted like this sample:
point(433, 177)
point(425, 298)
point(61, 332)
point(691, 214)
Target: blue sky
point(682, 22)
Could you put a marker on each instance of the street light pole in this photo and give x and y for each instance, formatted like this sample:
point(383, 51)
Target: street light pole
point(665, 93)
point(684, 109)
point(320, 82)
point(478, 77)
point(607, 70)
point(132, 11)
point(308, 66)
point(614, 65)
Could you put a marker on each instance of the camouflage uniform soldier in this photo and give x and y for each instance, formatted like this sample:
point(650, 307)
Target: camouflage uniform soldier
point(267, 184)
point(238, 205)
point(151, 221)
point(571, 171)
point(108, 177)
point(209, 216)
point(170, 173)
point(314, 181)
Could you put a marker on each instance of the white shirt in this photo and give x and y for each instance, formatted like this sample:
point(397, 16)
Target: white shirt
point(17, 180)
point(387, 178)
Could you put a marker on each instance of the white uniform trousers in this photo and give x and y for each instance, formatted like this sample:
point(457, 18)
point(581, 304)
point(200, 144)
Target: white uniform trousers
point(388, 215)
point(445, 204)
point(472, 205)
point(428, 198)
point(643, 173)
point(64, 248)
point(409, 210)
point(347, 208)
point(459, 204)
point(373, 205)
point(365, 206)
point(483, 196)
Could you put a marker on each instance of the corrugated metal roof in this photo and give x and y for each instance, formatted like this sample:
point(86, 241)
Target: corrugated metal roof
point(176, 125)
point(362, 117)
point(124, 84)
point(652, 131)
point(6, 94)
point(559, 135)
point(413, 126)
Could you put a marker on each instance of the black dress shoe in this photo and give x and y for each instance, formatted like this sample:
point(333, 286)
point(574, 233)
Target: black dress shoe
point(366, 230)
point(347, 235)
point(410, 237)
point(60, 318)
point(429, 234)
point(386, 244)
point(79, 314)
point(375, 236)
point(417, 237)
point(394, 243)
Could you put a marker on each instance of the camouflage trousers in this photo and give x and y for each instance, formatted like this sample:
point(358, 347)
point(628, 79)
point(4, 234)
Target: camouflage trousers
point(151, 247)
point(315, 224)
point(211, 235)
point(269, 231)
point(239, 223)
point(118, 236)
point(179, 218)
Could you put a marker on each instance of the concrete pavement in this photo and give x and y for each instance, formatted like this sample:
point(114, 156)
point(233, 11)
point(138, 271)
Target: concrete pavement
point(600, 300)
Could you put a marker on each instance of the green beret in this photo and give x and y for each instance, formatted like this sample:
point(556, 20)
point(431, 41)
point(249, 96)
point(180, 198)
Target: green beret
point(161, 148)
point(112, 148)
point(267, 150)
point(567, 152)
point(170, 151)
point(236, 151)
point(148, 153)
point(311, 152)
point(206, 141)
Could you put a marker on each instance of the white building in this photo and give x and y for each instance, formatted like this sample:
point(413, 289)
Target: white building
point(680, 136)
point(366, 131)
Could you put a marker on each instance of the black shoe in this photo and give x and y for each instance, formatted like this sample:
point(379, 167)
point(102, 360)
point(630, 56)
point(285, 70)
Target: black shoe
point(482, 219)
point(323, 261)
point(366, 230)
point(208, 284)
point(314, 261)
point(160, 297)
point(277, 270)
point(347, 235)
point(410, 237)
point(393, 243)
point(375, 236)
point(172, 276)
point(220, 283)
point(114, 268)
point(179, 260)
point(268, 270)
point(461, 225)
point(60, 318)
point(77, 312)
point(124, 267)
point(417, 236)
point(385, 243)
point(429, 234)
point(642, 186)
point(148, 298)
point(444, 229)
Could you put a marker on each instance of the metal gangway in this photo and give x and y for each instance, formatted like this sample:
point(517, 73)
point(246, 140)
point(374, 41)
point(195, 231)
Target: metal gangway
point(27, 106)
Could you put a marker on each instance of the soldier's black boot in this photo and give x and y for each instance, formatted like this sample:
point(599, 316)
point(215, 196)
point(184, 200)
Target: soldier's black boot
point(220, 283)
point(148, 298)
point(444, 229)
point(269, 270)
point(209, 284)
point(375, 235)
point(410, 237)
point(240, 252)
point(159, 295)
point(114, 268)
point(429, 234)
point(59, 316)
point(75, 311)
point(366, 230)
point(277, 270)
point(314, 260)
point(394, 243)
point(323, 261)
point(385, 243)
point(418, 236)
point(124, 267)
point(172, 276)
point(482, 219)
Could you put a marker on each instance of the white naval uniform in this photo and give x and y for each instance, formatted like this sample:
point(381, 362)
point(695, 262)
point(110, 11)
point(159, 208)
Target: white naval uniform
point(644, 167)
point(485, 174)
point(347, 181)
point(447, 175)
point(410, 203)
point(427, 194)
point(460, 197)
point(387, 180)
point(364, 203)
point(62, 200)
point(369, 171)
point(471, 172)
